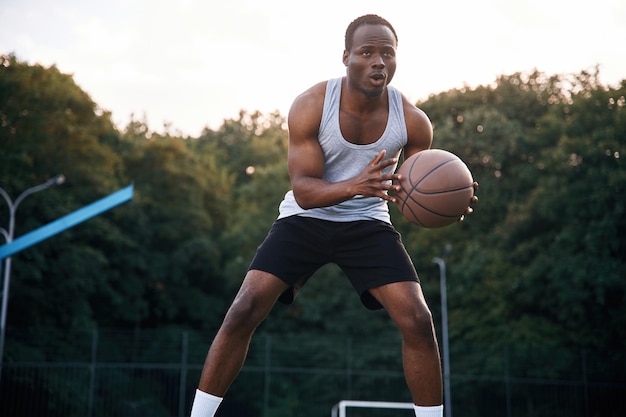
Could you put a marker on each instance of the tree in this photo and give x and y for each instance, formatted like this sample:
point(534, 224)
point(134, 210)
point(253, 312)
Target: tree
point(577, 258)
point(50, 126)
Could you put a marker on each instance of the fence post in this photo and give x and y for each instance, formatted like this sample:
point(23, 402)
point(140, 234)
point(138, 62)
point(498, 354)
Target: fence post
point(92, 369)
point(507, 381)
point(183, 374)
point(268, 365)
point(585, 382)
point(349, 367)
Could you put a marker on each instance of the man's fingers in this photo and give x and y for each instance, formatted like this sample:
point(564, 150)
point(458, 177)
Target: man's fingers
point(379, 157)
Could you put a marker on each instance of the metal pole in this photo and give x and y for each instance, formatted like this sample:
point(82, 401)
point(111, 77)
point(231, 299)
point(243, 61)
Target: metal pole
point(444, 329)
point(92, 374)
point(268, 375)
point(183, 374)
point(8, 235)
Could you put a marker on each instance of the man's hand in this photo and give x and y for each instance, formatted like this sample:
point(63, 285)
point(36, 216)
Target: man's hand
point(372, 182)
point(473, 200)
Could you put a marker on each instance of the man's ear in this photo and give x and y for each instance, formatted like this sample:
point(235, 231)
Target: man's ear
point(346, 55)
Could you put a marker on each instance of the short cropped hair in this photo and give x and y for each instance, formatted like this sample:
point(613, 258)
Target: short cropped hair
point(368, 19)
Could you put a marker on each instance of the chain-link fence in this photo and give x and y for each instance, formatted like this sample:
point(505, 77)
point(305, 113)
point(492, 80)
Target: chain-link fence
point(154, 373)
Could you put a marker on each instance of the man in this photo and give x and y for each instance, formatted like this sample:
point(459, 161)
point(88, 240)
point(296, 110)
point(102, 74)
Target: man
point(345, 136)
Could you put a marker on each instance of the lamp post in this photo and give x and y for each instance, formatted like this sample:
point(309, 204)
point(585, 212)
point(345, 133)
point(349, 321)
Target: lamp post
point(444, 329)
point(8, 235)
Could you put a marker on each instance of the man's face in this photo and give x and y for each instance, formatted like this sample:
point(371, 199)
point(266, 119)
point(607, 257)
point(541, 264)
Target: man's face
point(371, 63)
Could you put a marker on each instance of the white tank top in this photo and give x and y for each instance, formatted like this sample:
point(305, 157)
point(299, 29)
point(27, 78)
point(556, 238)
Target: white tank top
point(344, 160)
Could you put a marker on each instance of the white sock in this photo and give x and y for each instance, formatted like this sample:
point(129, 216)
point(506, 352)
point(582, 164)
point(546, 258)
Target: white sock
point(204, 404)
point(436, 411)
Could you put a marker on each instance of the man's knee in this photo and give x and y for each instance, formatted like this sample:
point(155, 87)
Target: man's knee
point(417, 325)
point(255, 299)
point(244, 315)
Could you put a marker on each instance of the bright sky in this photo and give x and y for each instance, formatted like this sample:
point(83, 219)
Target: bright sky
point(194, 63)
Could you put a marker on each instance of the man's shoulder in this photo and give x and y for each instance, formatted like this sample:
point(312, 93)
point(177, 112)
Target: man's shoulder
point(316, 90)
point(305, 114)
point(411, 111)
point(319, 89)
point(311, 97)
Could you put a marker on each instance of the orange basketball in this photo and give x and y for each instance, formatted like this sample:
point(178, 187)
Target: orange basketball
point(436, 188)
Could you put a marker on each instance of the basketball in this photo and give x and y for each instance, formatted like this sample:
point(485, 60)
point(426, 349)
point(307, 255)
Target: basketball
point(436, 188)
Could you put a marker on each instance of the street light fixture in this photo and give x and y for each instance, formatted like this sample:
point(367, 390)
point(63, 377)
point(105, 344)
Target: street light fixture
point(444, 329)
point(8, 236)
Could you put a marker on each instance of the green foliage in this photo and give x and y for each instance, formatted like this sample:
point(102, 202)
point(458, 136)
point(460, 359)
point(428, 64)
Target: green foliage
point(543, 249)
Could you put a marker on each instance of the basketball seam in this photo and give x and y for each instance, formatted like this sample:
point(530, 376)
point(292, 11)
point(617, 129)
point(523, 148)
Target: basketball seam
point(449, 216)
point(448, 190)
point(429, 172)
point(413, 188)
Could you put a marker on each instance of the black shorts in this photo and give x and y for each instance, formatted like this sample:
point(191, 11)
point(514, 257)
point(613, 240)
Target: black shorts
point(369, 252)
